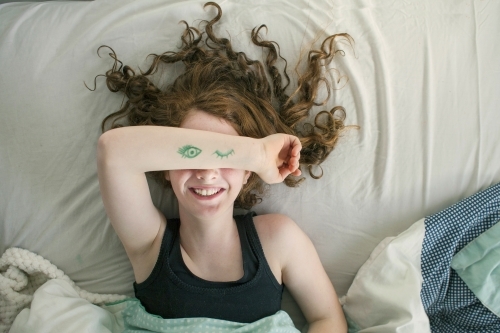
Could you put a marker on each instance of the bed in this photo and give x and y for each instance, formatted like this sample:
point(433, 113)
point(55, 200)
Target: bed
point(421, 81)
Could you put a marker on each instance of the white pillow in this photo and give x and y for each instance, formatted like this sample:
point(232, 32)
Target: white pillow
point(385, 294)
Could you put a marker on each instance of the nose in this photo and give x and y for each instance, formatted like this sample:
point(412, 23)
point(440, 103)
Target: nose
point(207, 174)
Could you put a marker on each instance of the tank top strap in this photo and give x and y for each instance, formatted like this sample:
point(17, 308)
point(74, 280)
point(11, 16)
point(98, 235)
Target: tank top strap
point(256, 246)
point(251, 259)
point(171, 233)
point(251, 236)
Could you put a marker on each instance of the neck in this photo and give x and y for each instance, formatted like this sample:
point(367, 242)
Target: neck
point(211, 247)
point(201, 233)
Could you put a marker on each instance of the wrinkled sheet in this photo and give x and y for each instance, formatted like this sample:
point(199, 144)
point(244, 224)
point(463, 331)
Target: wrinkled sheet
point(422, 83)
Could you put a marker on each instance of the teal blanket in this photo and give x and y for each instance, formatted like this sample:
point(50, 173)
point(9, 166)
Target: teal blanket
point(478, 264)
point(136, 319)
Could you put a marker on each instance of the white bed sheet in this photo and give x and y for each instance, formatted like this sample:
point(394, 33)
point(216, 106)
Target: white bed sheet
point(423, 86)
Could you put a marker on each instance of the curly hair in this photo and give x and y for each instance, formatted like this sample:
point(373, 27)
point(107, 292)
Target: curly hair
point(227, 84)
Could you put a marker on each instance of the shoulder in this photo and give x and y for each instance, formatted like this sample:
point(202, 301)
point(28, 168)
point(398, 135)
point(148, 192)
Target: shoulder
point(274, 224)
point(279, 232)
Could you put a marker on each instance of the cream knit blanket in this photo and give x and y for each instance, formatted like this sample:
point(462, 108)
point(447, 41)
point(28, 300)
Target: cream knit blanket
point(21, 273)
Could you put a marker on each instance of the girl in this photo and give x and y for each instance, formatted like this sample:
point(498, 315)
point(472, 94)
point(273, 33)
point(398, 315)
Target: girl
point(213, 136)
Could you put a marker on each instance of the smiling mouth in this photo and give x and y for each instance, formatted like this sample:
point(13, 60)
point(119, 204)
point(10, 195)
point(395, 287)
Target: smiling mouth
point(206, 192)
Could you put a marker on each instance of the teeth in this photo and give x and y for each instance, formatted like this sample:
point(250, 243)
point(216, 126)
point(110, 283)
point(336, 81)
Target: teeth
point(206, 193)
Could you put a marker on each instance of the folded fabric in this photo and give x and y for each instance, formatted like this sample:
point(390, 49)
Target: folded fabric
point(449, 303)
point(21, 273)
point(478, 264)
point(385, 294)
point(57, 307)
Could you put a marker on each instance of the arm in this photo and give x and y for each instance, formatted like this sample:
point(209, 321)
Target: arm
point(125, 154)
point(150, 148)
point(307, 281)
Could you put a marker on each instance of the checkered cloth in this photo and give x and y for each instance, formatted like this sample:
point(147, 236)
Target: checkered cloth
point(449, 303)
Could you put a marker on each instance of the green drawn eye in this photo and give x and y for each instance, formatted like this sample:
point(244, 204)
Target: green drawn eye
point(189, 151)
point(226, 154)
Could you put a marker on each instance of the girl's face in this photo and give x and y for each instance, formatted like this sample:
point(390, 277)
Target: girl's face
point(205, 193)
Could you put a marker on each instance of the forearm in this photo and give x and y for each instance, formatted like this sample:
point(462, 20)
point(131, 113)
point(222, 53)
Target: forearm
point(151, 148)
point(328, 325)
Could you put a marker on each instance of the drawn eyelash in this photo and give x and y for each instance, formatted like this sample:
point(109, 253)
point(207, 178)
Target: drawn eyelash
point(189, 151)
point(226, 154)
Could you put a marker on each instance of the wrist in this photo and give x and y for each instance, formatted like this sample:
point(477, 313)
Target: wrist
point(261, 155)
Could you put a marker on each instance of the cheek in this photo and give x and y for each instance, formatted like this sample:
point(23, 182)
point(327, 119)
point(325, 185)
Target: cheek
point(177, 177)
point(235, 176)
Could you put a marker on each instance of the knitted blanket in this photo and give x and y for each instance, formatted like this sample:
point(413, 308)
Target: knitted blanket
point(21, 273)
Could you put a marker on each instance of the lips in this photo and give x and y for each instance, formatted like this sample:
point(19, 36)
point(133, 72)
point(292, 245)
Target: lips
point(206, 193)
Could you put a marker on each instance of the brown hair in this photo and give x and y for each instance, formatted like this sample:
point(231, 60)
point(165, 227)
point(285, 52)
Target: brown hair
point(229, 85)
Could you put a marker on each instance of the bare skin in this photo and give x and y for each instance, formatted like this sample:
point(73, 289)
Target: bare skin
point(206, 183)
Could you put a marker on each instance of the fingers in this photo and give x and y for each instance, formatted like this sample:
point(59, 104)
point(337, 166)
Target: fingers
point(290, 168)
point(287, 149)
point(291, 163)
point(296, 146)
point(295, 154)
point(294, 158)
point(285, 172)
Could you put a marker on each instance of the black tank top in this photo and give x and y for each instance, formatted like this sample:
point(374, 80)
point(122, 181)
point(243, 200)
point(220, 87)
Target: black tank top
point(172, 291)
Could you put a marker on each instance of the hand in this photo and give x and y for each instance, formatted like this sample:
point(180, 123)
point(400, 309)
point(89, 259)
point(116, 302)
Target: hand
point(281, 158)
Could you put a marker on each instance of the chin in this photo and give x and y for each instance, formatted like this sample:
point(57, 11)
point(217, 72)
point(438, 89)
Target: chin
point(210, 212)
